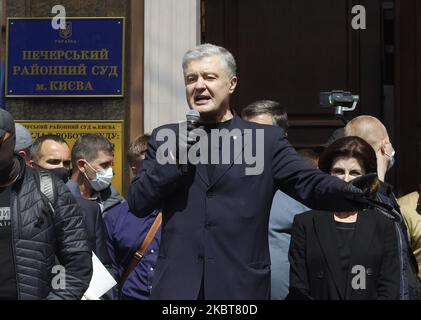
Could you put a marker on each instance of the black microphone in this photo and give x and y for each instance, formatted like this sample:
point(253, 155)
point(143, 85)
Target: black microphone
point(193, 118)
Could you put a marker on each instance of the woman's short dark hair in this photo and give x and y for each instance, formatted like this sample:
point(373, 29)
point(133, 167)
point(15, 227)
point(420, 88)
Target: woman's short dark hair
point(349, 147)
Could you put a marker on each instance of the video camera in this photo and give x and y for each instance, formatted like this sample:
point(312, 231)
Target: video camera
point(341, 101)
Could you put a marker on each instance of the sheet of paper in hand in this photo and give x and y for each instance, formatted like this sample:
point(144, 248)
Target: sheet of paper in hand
point(101, 281)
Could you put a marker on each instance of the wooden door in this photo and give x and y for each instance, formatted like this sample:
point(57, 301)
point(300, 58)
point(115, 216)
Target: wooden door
point(291, 50)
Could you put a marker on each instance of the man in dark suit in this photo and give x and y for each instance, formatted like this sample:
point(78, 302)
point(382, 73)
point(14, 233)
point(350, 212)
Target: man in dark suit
point(284, 208)
point(214, 240)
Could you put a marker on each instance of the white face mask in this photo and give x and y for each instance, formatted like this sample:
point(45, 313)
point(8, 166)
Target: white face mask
point(392, 159)
point(103, 178)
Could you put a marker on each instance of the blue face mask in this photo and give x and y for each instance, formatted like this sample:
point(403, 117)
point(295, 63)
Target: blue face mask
point(102, 179)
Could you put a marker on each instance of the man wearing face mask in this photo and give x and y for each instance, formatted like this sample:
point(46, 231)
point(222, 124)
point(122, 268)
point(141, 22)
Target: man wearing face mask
point(32, 234)
point(92, 159)
point(374, 132)
point(52, 153)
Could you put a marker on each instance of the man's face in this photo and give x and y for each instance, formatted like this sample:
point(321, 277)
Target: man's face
point(4, 137)
point(264, 118)
point(104, 160)
point(54, 155)
point(208, 85)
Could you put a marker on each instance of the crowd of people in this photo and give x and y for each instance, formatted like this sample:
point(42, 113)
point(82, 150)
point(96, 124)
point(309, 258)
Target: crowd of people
point(309, 225)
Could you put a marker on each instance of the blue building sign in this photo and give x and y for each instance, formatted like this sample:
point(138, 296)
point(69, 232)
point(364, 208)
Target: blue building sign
point(83, 60)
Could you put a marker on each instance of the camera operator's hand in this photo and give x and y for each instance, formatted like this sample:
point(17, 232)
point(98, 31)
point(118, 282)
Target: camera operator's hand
point(361, 188)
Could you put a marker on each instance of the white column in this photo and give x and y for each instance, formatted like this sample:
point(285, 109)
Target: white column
point(171, 28)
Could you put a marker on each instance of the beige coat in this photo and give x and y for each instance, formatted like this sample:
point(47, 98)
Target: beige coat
point(408, 204)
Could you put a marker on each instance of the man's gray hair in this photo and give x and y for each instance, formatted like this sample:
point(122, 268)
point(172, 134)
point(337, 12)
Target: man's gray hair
point(208, 50)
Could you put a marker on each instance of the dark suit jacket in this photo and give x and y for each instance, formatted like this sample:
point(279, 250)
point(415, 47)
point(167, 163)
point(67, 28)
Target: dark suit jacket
point(218, 230)
point(314, 258)
point(94, 224)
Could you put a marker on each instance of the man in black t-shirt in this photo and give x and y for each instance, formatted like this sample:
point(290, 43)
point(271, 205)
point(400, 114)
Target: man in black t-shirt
point(7, 275)
point(32, 233)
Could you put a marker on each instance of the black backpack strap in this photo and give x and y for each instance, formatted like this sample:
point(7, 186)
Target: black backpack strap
point(47, 188)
